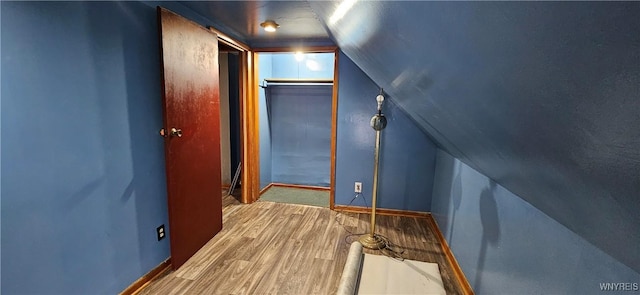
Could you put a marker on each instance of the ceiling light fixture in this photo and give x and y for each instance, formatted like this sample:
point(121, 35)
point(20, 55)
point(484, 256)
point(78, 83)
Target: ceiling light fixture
point(269, 25)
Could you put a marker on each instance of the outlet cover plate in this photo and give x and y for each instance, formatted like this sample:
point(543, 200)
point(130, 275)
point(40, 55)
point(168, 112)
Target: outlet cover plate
point(160, 233)
point(358, 187)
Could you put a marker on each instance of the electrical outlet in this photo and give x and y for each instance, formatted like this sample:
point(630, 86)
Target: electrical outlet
point(160, 232)
point(358, 187)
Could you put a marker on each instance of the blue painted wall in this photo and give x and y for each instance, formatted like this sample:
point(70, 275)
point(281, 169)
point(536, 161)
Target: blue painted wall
point(311, 66)
point(83, 182)
point(265, 68)
point(506, 246)
point(407, 158)
point(301, 133)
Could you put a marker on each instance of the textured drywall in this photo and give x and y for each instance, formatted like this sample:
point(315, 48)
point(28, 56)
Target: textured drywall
point(542, 97)
point(506, 246)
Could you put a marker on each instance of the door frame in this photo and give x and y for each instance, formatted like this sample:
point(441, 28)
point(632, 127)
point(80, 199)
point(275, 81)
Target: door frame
point(250, 179)
point(255, 134)
point(249, 112)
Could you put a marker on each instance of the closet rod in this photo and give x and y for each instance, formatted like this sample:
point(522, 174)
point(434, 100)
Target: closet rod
point(282, 80)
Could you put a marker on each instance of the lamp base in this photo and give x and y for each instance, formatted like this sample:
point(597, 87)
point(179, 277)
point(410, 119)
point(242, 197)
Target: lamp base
point(374, 242)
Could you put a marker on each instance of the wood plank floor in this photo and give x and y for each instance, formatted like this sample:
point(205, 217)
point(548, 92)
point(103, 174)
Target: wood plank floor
point(273, 248)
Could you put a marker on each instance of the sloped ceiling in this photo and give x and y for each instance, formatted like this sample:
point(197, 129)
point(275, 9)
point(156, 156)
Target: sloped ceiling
point(542, 97)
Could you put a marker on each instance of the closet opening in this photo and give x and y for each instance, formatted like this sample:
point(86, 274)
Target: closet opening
point(297, 99)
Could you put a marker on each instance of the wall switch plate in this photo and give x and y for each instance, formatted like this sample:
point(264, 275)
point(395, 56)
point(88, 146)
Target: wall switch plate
point(160, 232)
point(358, 187)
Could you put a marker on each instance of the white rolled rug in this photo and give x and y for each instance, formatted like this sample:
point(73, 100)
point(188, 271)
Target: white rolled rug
point(375, 274)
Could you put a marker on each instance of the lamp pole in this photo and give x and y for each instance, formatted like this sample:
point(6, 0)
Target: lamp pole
point(378, 122)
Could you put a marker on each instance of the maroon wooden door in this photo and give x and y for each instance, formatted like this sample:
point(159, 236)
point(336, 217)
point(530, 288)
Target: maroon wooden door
point(191, 105)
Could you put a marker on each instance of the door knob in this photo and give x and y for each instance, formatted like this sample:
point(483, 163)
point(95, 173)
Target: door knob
point(176, 132)
point(163, 132)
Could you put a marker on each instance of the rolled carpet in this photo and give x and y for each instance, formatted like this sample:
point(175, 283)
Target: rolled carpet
point(351, 272)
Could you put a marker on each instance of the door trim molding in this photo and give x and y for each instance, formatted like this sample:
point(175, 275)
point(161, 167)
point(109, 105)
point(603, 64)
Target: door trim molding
point(334, 131)
point(146, 279)
point(251, 133)
point(299, 186)
point(457, 270)
point(226, 40)
point(245, 95)
point(382, 211)
point(314, 49)
point(250, 176)
point(255, 134)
